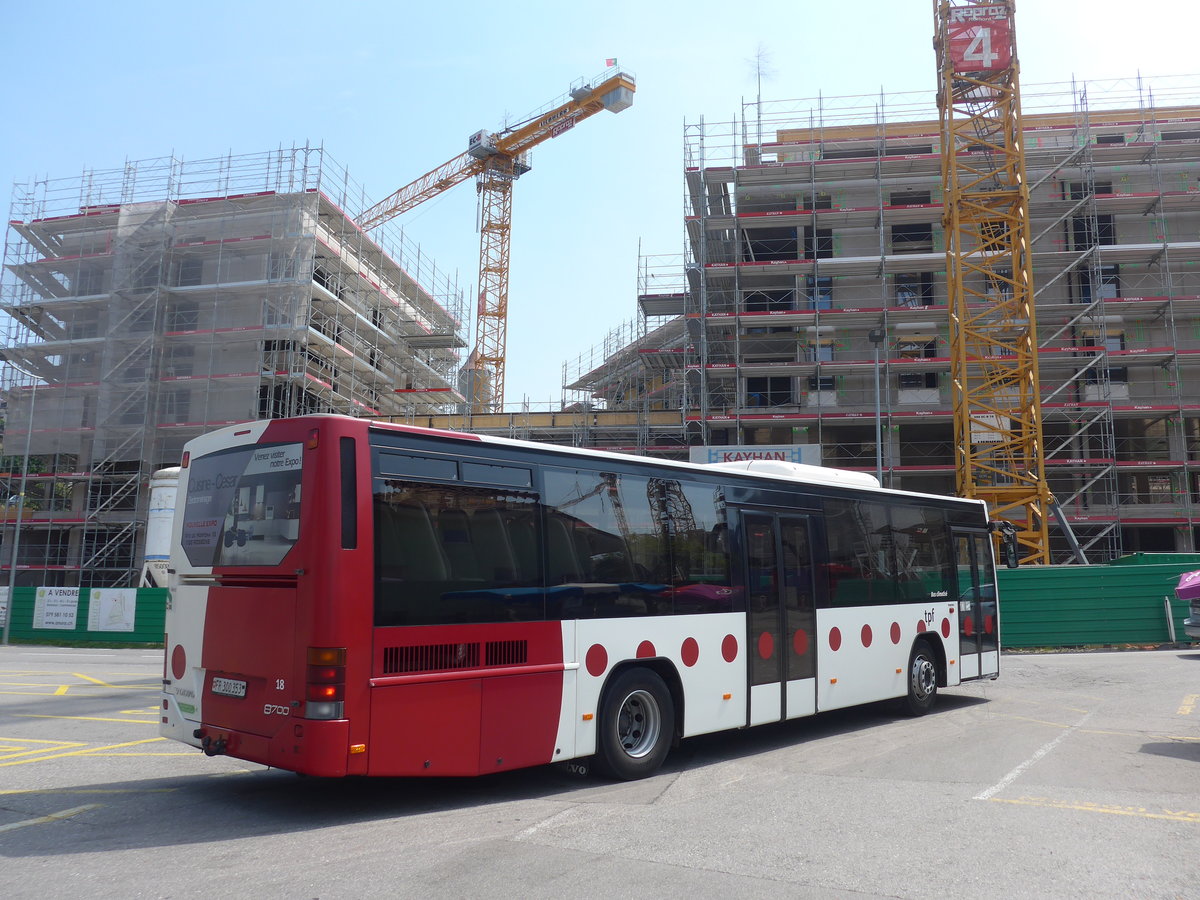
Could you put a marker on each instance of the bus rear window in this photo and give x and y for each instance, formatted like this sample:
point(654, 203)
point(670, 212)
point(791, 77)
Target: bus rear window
point(243, 506)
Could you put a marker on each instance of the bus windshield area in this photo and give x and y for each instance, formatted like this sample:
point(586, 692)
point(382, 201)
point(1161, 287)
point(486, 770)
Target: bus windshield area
point(243, 506)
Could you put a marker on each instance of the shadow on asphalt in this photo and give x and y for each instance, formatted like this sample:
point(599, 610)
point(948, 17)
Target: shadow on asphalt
point(1187, 750)
point(193, 809)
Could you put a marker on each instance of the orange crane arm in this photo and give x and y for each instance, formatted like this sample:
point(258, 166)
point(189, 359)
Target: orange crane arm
point(497, 160)
point(614, 93)
point(429, 185)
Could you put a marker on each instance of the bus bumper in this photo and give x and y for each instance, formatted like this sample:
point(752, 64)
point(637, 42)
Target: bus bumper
point(319, 748)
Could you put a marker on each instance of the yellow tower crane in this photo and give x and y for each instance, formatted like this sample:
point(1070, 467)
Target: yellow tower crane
point(497, 159)
point(989, 275)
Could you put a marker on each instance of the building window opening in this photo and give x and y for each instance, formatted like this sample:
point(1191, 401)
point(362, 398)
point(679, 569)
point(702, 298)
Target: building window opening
point(916, 238)
point(914, 289)
point(769, 391)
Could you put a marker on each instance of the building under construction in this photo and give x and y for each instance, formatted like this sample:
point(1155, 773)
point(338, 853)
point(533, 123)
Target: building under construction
point(814, 276)
point(151, 303)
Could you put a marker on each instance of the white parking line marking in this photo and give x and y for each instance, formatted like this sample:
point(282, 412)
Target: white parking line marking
point(1038, 754)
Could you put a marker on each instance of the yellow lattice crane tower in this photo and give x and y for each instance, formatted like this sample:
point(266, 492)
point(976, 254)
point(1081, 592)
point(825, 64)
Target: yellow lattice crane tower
point(989, 276)
point(497, 159)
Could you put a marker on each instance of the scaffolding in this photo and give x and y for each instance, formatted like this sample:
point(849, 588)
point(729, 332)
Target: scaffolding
point(150, 303)
point(814, 224)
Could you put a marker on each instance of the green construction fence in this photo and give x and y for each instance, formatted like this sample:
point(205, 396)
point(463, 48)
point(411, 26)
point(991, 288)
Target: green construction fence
point(63, 619)
point(1122, 603)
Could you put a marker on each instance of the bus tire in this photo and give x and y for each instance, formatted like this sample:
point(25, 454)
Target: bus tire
point(922, 679)
point(637, 723)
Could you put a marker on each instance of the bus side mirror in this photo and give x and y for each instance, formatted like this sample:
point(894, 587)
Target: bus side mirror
point(1008, 543)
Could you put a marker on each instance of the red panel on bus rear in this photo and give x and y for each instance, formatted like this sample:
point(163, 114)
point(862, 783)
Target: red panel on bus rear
point(425, 729)
point(249, 636)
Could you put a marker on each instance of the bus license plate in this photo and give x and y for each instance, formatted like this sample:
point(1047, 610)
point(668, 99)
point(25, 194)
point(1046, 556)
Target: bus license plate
point(229, 687)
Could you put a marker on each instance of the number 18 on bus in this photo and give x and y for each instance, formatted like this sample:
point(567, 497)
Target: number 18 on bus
point(359, 598)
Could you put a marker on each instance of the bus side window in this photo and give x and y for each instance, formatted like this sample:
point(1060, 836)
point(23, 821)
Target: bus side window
point(408, 544)
point(493, 551)
point(522, 534)
point(458, 544)
point(562, 565)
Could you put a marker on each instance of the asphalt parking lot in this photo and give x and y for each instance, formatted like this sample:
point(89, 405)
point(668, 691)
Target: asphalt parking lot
point(1074, 775)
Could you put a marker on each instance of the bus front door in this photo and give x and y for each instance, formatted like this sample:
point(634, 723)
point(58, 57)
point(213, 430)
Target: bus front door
point(781, 616)
point(978, 610)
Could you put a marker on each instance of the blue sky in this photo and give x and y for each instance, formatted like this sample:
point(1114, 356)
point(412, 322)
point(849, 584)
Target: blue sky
point(392, 90)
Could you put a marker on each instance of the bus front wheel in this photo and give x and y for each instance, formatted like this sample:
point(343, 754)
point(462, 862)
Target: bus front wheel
point(637, 721)
point(922, 680)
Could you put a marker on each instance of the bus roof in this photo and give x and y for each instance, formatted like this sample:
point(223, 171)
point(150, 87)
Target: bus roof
point(766, 470)
point(773, 470)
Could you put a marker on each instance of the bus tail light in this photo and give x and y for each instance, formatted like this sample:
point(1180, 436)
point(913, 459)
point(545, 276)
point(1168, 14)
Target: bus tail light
point(325, 683)
point(326, 692)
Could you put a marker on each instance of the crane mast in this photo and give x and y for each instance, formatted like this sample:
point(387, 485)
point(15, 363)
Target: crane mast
point(496, 160)
point(989, 275)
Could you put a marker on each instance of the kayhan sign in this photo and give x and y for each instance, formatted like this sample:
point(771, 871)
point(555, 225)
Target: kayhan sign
point(808, 454)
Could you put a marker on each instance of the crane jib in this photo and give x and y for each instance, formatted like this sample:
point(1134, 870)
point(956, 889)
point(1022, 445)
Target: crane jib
point(484, 157)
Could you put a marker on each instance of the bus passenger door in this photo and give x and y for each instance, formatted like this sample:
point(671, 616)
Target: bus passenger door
point(781, 616)
point(978, 622)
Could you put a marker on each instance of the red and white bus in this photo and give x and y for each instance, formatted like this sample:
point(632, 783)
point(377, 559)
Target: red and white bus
point(359, 598)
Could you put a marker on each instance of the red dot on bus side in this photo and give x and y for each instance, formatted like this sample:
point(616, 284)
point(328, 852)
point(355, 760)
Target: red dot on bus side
point(178, 662)
point(596, 660)
point(968, 627)
point(689, 652)
point(729, 648)
point(988, 624)
point(835, 638)
point(646, 650)
point(867, 636)
point(945, 628)
point(895, 632)
point(920, 626)
point(800, 641)
point(766, 645)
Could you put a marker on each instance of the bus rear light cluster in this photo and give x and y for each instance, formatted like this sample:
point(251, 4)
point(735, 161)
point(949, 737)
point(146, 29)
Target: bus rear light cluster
point(325, 683)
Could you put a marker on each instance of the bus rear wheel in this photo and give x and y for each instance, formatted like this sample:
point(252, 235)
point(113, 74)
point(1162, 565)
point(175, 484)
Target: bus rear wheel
point(922, 680)
point(637, 722)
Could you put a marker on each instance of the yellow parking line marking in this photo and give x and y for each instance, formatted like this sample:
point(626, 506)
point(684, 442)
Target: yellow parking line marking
point(44, 673)
point(93, 680)
point(57, 693)
point(13, 753)
point(53, 817)
point(117, 687)
point(62, 689)
point(1136, 734)
point(29, 684)
point(1037, 721)
point(1173, 815)
point(41, 741)
point(1139, 734)
point(21, 762)
point(65, 791)
point(84, 718)
point(1189, 704)
point(185, 753)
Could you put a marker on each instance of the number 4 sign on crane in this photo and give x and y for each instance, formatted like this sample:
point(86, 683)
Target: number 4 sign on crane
point(979, 38)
